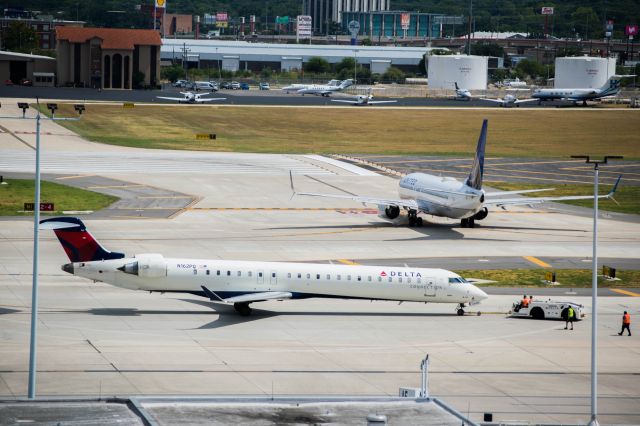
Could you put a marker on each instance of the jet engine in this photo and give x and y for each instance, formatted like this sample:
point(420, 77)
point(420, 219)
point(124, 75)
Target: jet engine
point(388, 212)
point(481, 214)
point(146, 265)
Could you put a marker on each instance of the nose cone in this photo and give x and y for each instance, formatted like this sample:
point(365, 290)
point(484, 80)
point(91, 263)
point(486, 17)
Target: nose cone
point(68, 268)
point(478, 295)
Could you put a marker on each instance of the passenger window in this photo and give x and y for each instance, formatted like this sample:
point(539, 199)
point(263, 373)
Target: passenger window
point(218, 272)
point(228, 273)
point(349, 277)
point(359, 278)
point(419, 280)
point(250, 273)
point(308, 276)
point(273, 275)
point(208, 272)
point(379, 279)
point(408, 280)
point(195, 272)
point(289, 275)
point(317, 276)
point(328, 277)
point(339, 277)
point(369, 278)
point(399, 279)
point(259, 274)
point(239, 273)
point(390, 279)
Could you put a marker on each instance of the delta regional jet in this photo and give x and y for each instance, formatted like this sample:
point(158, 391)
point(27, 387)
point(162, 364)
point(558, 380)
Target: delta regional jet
point(240, 283)
point(448, 197)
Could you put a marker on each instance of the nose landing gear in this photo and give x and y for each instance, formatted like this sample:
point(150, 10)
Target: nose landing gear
point(460, 309)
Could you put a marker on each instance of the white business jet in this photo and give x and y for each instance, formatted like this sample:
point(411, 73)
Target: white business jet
point(448, 197)
point(325, 89)
point(363, 100)
point(509, 100)
point(298, 86)
point(610, 88)
point(462, 94)
point(240, 283)
point(192, 98)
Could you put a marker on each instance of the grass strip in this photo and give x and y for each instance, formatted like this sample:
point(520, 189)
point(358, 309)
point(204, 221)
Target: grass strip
point(20, 191)
point(571, 278)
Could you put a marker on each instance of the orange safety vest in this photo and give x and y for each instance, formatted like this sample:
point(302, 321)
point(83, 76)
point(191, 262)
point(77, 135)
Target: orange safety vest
point(525, 303)
point(626, 319)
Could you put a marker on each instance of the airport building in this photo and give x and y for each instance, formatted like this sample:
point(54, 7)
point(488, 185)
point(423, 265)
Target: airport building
point(241, 55)
point(397, 24)
point(107, 58)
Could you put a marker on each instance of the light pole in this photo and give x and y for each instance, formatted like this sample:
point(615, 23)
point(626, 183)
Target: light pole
point(594, 286)
point(24, 106)
point(355, 66)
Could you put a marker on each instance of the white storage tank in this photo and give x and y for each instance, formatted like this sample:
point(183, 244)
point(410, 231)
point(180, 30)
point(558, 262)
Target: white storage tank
point(470, 72)
point(583, 72)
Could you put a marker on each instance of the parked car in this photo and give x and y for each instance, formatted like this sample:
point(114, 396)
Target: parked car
point(179, 83)
point(8, 82)
point(264, 86)
point(244, 86)
point(206, 85)
point(225, 85)
point(235, 85)
point(26, 82)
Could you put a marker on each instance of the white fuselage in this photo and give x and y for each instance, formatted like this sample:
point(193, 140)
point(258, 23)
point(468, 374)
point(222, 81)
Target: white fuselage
point(228, 278)
point(420, 187)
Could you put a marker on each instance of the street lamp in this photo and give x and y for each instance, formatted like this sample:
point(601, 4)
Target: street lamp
point(24, 106)
point(594, 285)
point(355, 66)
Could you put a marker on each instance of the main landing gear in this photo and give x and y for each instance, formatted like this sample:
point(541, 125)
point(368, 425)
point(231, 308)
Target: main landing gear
point(468, 222)
point(242, 308)
point(414, 220)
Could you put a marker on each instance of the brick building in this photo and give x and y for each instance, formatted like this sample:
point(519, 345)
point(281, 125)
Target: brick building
point(107, 58)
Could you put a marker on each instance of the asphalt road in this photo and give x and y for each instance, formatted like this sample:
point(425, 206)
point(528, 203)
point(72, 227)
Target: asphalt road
point(251, 97)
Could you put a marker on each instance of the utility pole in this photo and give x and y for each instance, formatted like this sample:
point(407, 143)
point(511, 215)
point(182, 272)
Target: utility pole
point(469, 35)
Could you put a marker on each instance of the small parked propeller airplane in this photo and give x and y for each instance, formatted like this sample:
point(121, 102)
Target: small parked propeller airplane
point(191, 98)
point(363, 100)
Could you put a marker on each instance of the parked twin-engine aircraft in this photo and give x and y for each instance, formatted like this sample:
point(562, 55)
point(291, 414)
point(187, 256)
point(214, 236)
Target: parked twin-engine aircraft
point(363, 100)
point(448, 197)
point(192, 98)
point(509, 100)
point(462, 94)
point(610, 88)
point(240, 283)
point(325, 89)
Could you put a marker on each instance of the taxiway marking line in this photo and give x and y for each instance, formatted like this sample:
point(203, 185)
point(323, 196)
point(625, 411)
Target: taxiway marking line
point(537, 261)
point(537, 162)
point(348, 262)
point(625, 292)
point(73, 177)
point(165, 197)
point(115, 186)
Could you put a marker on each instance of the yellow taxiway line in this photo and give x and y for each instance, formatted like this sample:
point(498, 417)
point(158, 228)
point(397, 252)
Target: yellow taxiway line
point(347, 262)
point(537, 261)
point(625, 292)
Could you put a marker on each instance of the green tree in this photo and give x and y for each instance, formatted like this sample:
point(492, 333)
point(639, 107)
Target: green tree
point(317, 65)
point(171, 73)
point(393, 74)
point(585, 22)
point(20, 38)
point(569, 51)
point(487, 49)
point(527, 67)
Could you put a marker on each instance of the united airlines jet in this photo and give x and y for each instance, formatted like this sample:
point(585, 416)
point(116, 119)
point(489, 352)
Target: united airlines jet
point(448, 197)
point(240, 283)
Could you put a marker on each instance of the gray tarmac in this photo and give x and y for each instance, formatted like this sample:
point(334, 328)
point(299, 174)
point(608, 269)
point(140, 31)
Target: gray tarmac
point(96, 339)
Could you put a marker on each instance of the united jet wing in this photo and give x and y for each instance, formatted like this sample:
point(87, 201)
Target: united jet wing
point(538, 200)
point(410, 204)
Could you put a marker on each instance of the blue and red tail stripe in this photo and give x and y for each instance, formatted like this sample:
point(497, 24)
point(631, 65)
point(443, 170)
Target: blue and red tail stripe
point(77, 242)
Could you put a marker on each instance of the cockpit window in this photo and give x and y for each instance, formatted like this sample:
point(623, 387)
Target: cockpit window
point(454, 280)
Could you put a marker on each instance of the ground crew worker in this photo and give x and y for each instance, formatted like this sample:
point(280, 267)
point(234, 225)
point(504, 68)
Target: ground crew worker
point(570, 316)
point(525, 302)
point(626, 323)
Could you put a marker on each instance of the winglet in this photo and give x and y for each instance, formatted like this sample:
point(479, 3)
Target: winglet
point(615, 187)
point(456, 83)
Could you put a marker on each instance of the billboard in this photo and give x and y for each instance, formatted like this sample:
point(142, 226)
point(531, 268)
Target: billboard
point(304, 26)
point(161, 4)
point(405, 18)
point(547, 10)
point(631, 30)
point(209, 19)
point(222, 16)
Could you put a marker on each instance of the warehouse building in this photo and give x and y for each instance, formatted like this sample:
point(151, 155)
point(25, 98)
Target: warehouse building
point(241, 55)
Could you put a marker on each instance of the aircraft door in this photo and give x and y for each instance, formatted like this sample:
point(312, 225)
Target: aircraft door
point(260, 277)
point(429, 287)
